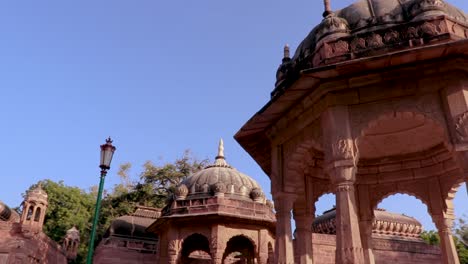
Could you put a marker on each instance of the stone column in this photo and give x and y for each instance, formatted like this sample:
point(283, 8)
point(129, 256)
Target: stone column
point(341, 157)
point(444, 226)
point(366, 219)
point(365, 227)
point(304, 237)
point(217, 244)
point(348, 238)
point(262, 246)
point(283, 244)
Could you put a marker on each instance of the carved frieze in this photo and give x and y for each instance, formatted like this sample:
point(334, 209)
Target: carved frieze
point(342, 149)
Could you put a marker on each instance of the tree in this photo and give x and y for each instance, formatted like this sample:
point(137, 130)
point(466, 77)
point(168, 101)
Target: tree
point(460, 234)
point(72, 206)
point(154, 187)
point(68, 207)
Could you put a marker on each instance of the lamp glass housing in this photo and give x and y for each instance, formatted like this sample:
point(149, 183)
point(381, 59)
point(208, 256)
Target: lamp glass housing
point(107, 151)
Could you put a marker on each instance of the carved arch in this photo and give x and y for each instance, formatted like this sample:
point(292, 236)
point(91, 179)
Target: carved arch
point(232, 246)
point(379, 199)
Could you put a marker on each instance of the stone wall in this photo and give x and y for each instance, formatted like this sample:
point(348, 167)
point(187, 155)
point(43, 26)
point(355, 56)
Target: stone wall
point(387, 250)
point(21, 246)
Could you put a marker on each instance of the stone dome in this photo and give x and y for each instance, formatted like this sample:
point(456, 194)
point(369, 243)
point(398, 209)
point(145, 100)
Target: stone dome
point(385, 223)
point(367, 15)
point(221, 178)
point(73, 234)
point(37, 194)
point(5, 212)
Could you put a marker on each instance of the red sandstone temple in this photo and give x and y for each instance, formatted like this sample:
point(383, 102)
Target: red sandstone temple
point(22, 239)
point(220, 215)
point(374, 102)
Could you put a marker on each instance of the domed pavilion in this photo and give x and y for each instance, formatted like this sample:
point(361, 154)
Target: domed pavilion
point(373, 103)
point(218, 215)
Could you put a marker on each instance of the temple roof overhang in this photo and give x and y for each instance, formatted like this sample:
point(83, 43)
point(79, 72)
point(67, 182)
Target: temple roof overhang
point(255, 135)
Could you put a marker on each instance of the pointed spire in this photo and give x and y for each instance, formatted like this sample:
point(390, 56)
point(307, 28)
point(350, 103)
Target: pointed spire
point(220, 161)
point(220, 150)
point(327, 7)
point(286, 52)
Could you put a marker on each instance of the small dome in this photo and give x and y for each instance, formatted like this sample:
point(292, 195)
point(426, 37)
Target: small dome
point(367, 15)
point(220, 177)
point(37, 194)
point(73, 234)
point(385, 223)
point(5, 212)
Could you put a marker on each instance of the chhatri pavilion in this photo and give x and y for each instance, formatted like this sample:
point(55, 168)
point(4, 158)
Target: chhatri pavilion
point(374, 102)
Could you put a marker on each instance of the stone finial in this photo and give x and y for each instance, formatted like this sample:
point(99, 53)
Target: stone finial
point(327, 8)
point(257, 195)
point(286, 53)
point(219, 160)
point(181, 192)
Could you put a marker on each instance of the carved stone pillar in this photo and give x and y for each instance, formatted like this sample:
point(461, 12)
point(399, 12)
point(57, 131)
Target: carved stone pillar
point(172, 251)
point(262, 246)
point(283, 244)
point(366, 218)
point(304, 237)
point(365, 227)
point(341, 157)
point(444, 226)
point(217, 244)
point(348, 238)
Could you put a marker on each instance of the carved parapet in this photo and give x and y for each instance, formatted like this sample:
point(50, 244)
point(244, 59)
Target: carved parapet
point(385, 223)
point(380, 41)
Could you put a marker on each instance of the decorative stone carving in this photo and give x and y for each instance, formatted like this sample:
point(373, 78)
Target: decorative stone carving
point(358, 44)
point(391, 37)
point(181, 192)
point(332, 24)
point(426, 6)
point(374, 41)
point(343, 148)
point(257, 194)
point(461, 127)
point(429, 29)
point(270, 204)
point(218, 188)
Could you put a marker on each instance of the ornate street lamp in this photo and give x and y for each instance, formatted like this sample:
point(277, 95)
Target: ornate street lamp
point(107, 151)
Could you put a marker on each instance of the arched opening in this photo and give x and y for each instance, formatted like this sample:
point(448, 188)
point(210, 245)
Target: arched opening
point(195, 250)
point(29, 213)
point(37, 217)
point(403, 222)
point(271, 254)
point(460, 227)
point(325, 214)
point(239, 250)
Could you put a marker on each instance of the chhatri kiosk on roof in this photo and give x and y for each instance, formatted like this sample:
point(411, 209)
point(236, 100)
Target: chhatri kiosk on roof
point(373, 103)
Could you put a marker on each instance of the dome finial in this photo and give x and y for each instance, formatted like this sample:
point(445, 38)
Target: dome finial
point(286, 52)
point(327, 6)
point(220, 149)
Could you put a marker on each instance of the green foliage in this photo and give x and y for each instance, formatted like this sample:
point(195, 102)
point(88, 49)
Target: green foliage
point(153, 188)
point(460, 234)
point(71, 206)
point(431, 237)
point(68, 207)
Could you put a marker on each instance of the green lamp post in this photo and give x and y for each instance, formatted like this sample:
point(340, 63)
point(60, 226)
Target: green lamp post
point(107, 151)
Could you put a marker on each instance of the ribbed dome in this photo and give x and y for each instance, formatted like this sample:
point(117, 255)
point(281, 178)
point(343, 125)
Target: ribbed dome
point(365, 15)
point(385, 222)
point(219, 177)
point(5, 212)
point(37, 194)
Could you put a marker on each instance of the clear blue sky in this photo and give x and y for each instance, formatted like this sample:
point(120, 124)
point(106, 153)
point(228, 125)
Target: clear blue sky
point(157, 76)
